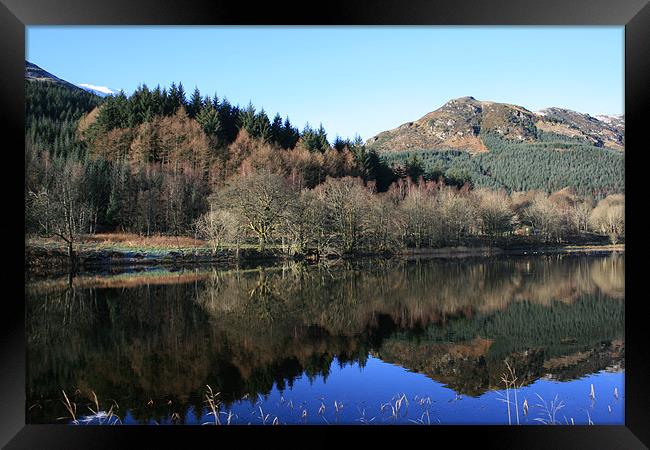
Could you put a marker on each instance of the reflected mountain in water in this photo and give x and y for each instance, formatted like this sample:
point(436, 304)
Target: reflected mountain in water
point(137, 337)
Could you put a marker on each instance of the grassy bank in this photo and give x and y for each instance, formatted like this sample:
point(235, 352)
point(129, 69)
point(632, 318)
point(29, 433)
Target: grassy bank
point(103, 251)
point(465, 251)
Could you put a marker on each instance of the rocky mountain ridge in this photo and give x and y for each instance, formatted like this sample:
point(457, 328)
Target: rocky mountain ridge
point(460, 124)
point(35, 73)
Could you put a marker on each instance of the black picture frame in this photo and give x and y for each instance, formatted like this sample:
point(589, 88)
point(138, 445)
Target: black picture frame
point(16, 14)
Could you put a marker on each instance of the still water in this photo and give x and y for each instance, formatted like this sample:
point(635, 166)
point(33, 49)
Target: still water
point(527, 340)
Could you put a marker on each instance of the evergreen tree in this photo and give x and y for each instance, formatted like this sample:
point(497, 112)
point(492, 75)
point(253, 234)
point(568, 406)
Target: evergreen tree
point(229, 117)
point(262, 127)
point(140, 106)
point(172, 96)
point(247, 119)
point(176, 99)
point(315, 140)
point(289, 135)
point(414, 168)
point(341, 144)
point(209, 119)
point(276, 129)
point(180, 92)
point(323, 144)
point(157, 103)
point(196, 103)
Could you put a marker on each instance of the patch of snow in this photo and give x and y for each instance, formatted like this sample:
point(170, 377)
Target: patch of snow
point(607, 118)
point(97, 89)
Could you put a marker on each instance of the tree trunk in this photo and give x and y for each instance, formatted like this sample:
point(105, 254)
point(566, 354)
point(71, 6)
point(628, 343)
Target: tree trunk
point(72, 256)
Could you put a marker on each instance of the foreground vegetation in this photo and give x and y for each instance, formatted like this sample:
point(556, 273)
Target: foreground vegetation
point(400, 408)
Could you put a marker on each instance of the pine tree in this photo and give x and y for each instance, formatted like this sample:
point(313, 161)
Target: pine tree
point(262, 127)
point(323, 144)
point(181, 100)
point(276, 129)
point(289, 135)
point(170, 104)
point(209, 120)
point(157, 104)
point(196, 103)
point(340, 144)
point(247, 119)
point(414, 168)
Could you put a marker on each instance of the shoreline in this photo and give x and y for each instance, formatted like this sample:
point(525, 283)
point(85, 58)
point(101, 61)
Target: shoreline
point(40, 260)
point(468, 251)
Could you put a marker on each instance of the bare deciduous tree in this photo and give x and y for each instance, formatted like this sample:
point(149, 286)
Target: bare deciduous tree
point(579, 216)
point(494, 211)
point(217, 226)
point(60, 209)
point(418, 218)
point(458, 215)
point(347, 201)
point(608, 217)
point(261, 199)
point(545, 217)
point(383, 234)
point(308, 225)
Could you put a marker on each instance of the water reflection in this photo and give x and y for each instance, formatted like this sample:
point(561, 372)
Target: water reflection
point(153, 340)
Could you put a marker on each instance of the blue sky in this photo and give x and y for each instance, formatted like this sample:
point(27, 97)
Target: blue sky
point(351, 79)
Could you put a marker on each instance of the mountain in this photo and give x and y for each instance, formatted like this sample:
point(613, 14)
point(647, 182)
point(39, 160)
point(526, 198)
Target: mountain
point(36, 73)
point(462, 124)
point(606, 131)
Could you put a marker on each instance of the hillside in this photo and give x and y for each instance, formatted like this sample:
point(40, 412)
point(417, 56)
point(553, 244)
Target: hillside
point(53, 108)
point(463, 122)
point(35, 73)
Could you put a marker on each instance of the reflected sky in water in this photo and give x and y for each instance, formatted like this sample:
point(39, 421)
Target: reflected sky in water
point(389, 342)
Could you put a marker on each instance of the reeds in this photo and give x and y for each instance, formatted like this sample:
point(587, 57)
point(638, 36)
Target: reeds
point(212, 400)
point(550, 410)
point(509, 378)
point(362, 418)
point(71, 407)
point(97, 416)
point(395, 410)
point(395, 406)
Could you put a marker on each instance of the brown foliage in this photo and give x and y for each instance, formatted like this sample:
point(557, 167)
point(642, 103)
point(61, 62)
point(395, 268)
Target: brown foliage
point(182, 140)
point(114, 145)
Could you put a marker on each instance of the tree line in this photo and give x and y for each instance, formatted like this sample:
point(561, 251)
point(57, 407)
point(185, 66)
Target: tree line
point(154, 163)
point(346, 216)
point(218, 118)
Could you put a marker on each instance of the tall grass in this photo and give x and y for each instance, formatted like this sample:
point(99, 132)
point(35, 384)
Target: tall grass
point(509, 379)
point(98, 416)
point(548, 410)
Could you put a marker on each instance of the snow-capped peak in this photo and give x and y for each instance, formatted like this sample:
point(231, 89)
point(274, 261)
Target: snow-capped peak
point(99, 90)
